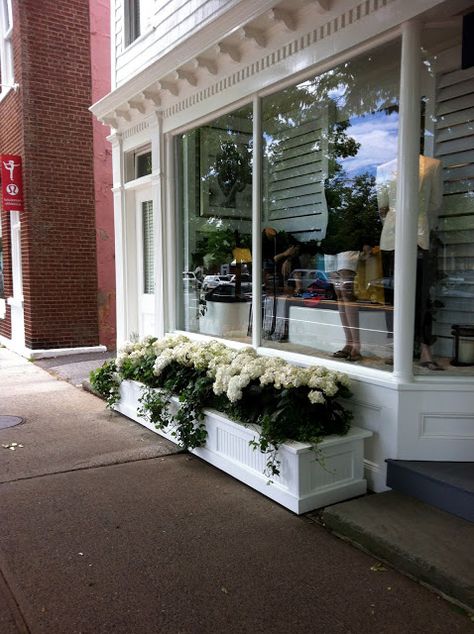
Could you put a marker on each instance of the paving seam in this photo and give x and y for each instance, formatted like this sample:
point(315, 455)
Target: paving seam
point(99, 466)
point(12, 603)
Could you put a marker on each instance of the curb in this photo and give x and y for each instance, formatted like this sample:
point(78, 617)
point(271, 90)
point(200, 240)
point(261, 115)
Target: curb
point(414, 565)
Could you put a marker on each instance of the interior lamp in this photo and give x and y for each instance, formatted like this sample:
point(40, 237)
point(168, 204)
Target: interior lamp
point(241, 256)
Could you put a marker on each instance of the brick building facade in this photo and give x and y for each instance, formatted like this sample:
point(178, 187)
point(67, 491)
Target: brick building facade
point(46, 121)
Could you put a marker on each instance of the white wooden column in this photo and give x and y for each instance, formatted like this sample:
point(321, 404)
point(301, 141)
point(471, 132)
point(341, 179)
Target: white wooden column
point(257, 224)
point(121, 286)
point(407, 201)
point(16, 302)
point(172, 275)
point(158, 197)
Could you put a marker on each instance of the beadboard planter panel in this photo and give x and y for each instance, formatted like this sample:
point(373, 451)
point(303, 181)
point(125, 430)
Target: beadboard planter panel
point(308, 479)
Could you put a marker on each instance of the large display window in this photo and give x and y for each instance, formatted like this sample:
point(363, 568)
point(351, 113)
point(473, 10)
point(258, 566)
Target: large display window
point(328, 214)
point(328, 144)
point(215, 202)
point(444, 324)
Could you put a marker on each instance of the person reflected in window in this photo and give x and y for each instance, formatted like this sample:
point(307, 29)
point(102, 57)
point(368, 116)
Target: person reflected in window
point(343, 278)
point(289, 261)
point(280, 259)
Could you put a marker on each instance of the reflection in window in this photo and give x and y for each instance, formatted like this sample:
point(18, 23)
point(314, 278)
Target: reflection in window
point(444, 332)
point(216, 213)
point(330, 145)
point(142, 164)
point(137, 163)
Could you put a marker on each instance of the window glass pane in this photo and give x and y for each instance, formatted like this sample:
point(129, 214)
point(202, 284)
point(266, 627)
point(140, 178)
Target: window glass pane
point(132, 20)
point(7, 13)
point(148, 256)
point(215, 192)
point(444, 322)
point(329, 157)
point(6, 58)
point(143, 164)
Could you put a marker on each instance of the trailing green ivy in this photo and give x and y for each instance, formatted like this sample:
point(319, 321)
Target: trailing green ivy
point(106, 381)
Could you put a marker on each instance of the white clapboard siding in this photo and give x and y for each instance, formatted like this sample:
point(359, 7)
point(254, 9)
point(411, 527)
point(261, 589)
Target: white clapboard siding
point(118, 27)
point(455, 118)
point(455, 149)
point(295, 169)
point(169, 22)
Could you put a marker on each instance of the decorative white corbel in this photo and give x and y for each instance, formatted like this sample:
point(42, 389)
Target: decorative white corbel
point(110, 121)
point(170, 86)
point(322, 5)
point(287, 18)
point(138, 103)
point(186, 75)
point(124, 113)
point(232, 51)
point(208, 64)
point(249, 33)
point(153, 95)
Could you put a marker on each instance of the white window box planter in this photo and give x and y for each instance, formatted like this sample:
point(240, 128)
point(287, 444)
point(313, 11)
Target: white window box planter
point(308, 479)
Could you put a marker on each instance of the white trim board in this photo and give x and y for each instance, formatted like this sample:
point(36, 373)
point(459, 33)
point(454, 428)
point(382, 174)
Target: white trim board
point(47, 353)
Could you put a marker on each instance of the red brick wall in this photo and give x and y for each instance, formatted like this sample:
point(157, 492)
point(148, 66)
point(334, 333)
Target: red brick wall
point(104, 215)
point(11, 142)
point(58, 230)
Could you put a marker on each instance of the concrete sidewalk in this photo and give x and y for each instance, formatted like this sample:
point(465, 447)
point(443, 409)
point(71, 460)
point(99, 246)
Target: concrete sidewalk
point(74, 368)
point(106, 529)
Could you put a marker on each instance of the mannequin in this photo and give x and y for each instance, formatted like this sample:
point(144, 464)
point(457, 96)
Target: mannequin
point(429, 202)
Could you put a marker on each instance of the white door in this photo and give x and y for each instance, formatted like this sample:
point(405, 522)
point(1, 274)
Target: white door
point(146, 264)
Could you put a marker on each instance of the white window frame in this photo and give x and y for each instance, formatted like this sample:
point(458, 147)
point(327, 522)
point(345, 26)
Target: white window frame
point(6, 49)
point(130, 8)
point(131, 163)
point(146, 303)
point(403, 372)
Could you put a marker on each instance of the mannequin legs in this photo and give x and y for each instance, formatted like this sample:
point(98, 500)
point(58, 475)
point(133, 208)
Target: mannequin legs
point(349, 315)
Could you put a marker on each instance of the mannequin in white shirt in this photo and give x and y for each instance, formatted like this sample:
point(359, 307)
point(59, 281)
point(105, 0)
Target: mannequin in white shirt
point(430, 198)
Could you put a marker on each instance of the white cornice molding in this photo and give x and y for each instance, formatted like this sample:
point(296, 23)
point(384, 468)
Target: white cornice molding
point(331, 35)
point(153, 95)
point(257, 36)
point(138, 104)
point(331, 27)
point(191, 48)
point(187, 76)
point(136, 129)
point(288, 18)
point(227, 49)
point(123, 113)
point(204, 62)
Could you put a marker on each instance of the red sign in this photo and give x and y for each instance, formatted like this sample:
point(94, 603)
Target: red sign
point(12, 183)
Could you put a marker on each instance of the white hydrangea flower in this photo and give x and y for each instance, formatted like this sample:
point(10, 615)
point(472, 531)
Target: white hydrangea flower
point(164, 360)
point(232, 370)
point(316, 397)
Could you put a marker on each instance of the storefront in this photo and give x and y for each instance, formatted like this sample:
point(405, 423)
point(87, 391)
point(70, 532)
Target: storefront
point(305, 186)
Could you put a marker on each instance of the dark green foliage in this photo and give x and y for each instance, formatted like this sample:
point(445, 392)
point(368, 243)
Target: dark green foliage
point(154, 407)
point(354, 219)
point(194, 391)
point(106, 381)
point(284, 414)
